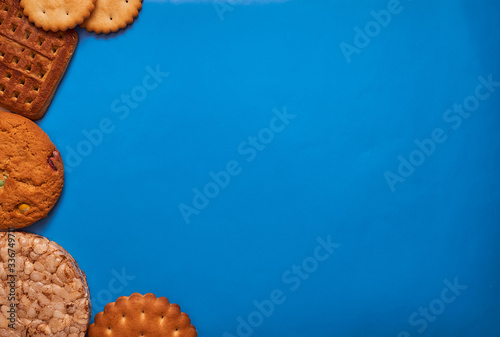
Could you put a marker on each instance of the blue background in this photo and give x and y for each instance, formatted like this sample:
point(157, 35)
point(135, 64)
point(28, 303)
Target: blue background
point(229, 66)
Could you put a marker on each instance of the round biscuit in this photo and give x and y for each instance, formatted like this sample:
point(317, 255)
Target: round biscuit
point(112, 15)
point(57, 15)
point(31, 172)
point(139, 315)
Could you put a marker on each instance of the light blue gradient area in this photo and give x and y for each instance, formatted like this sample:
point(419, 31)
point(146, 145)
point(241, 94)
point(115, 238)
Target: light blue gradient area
point(322, 175)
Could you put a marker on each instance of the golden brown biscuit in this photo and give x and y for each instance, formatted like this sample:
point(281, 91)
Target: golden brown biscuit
point(57, 15)
point(31, 172)
point(139, 315)
point(112, 15)
point(32, 62)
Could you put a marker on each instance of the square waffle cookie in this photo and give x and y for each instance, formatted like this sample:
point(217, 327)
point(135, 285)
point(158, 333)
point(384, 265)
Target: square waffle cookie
point(32, 62)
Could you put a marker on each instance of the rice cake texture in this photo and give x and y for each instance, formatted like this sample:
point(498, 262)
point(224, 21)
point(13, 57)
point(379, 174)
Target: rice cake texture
point(51, 293)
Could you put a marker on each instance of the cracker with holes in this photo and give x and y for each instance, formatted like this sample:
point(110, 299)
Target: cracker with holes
point(31, 172)
point(32, 62)
point(139, 315)
point(57, 15)
point(112, 15)
point(50, 293)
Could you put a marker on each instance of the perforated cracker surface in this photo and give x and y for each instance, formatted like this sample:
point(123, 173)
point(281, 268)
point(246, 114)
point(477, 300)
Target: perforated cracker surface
point(112, 15)
point(32, 62)
point(139, 315)
point(57, 15)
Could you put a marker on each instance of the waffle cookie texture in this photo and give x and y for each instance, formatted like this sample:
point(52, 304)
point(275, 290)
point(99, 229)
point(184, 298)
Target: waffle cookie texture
point(32, 62)
point(51, 292)
point(142, 315)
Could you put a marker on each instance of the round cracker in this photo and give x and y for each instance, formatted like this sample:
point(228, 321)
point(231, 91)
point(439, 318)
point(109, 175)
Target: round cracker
point(138, 315)
point(112, 15)
point(57, 15)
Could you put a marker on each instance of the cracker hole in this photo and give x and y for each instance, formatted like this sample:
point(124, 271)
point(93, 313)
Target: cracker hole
point(32, 54)
point(22, 50)
point(123, 315)
point(8, 75)
point(1, 21)
point(5, 8)
point(40, 41)
point(15, 60)
point(19, 14)
point(111, 18)
point(42, 74)
point(54, 49)
point(36, 88)
point(27, 34)
point(15, 94)
point(60, 36)
point(21, 81)
point(28, 67)
point(13, 28)
point(109, 328)
point(2, 54)
point(2, 88)
point(28, 100)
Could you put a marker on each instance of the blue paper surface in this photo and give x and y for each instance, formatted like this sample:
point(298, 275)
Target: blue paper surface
point(297, 168)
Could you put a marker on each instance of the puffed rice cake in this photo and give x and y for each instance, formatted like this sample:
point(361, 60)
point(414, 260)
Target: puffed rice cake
point(51, 293)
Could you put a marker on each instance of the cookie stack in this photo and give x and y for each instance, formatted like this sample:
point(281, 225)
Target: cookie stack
point(43, 292)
